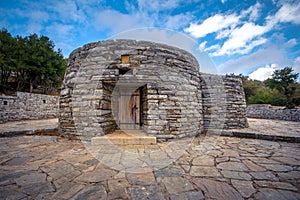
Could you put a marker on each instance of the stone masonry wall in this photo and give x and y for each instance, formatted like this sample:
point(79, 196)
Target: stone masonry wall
point(169, 76)
point(178, 100)
point(25, 106)
point(265, 111)
point(224, 105)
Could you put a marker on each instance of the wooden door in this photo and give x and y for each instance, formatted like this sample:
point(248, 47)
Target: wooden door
point(129, 110)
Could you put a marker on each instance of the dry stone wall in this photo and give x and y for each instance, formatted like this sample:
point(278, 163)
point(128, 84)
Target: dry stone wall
point(176, 99)
point(23, 106)
point(264, 111)
point(223, 102)
point(169, 77)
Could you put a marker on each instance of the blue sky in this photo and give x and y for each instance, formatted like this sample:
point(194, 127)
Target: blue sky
point(252, 37)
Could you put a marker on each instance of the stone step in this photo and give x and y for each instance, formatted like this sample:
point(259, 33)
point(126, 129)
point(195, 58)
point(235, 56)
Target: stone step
point(125, 137)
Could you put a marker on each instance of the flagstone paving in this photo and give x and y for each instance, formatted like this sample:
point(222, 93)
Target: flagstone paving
point(274, 130)
point(211, 167)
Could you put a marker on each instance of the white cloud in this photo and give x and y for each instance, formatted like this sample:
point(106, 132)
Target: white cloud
point(223, 34)
point(252, 12)
point(296, 66)
point(164, 36)
point(202, 46)
point(274, 51)
point(118, 21)
point(251, 45)
point(292, 42)
point(212, 25)
point(213, 47)
point(60, 30)
point(240, 31)
point(263, 73)
point(177, 21)
point(145, 14)
point(241, 39)
point(154, 5)
point(287, 13)
point(34, 28)
point(38, 16)
point(248, 63)
point(67, 11)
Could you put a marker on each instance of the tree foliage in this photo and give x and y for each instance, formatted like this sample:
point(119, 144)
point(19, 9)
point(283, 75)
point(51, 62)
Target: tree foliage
point(29, 62)
point(280, 90)
point(284, 81)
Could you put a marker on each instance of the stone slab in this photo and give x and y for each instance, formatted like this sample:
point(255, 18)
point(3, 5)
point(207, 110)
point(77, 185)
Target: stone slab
point(128, 137)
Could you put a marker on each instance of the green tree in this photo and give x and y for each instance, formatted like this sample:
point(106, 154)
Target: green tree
point(30, 62)
point(7, 58)
point(265, 95)
point(284, 81)
point(297, 94)
point(250, 86)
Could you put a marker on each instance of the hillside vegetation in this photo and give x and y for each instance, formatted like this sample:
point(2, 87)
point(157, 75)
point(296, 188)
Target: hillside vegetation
point(280, 90)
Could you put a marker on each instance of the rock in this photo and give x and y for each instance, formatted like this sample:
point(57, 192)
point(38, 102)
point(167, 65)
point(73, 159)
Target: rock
point(253, 167)
point(216, 190)
point(141, 178)
point(230, 152)
point(99, 174)
point(9, 178)
point(236, 175)
point(93, 192)
point(11, 192)
point(276, 185)
point(204, 160)
point(245, 188)
point(188, 196)
point(171, 170)
point(151, 192)
point(278, 168)
point(177, 185)
point(30, 179)
point(37, 188)
point(18, 161)
point(289, 175)
point(271, 194)
point(260, 160)
point(67, 190)
point(118, 188)
point(116, 184)
point(205, 171)
point(232, 166)
point(222, 159)
point(58, 169)
point(264, 176)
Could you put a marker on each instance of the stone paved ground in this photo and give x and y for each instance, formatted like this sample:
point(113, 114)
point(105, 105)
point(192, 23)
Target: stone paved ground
point(47, 167)
point(28, 126)
point(272, 127)
point(256, 126)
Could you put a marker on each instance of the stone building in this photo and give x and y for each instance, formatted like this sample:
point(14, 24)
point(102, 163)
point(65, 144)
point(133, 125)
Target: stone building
point(128, 84)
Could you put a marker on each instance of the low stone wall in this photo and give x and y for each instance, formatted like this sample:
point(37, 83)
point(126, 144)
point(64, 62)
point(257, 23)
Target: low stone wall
point(224, 105)
point(24, 106)
point(265, 111)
